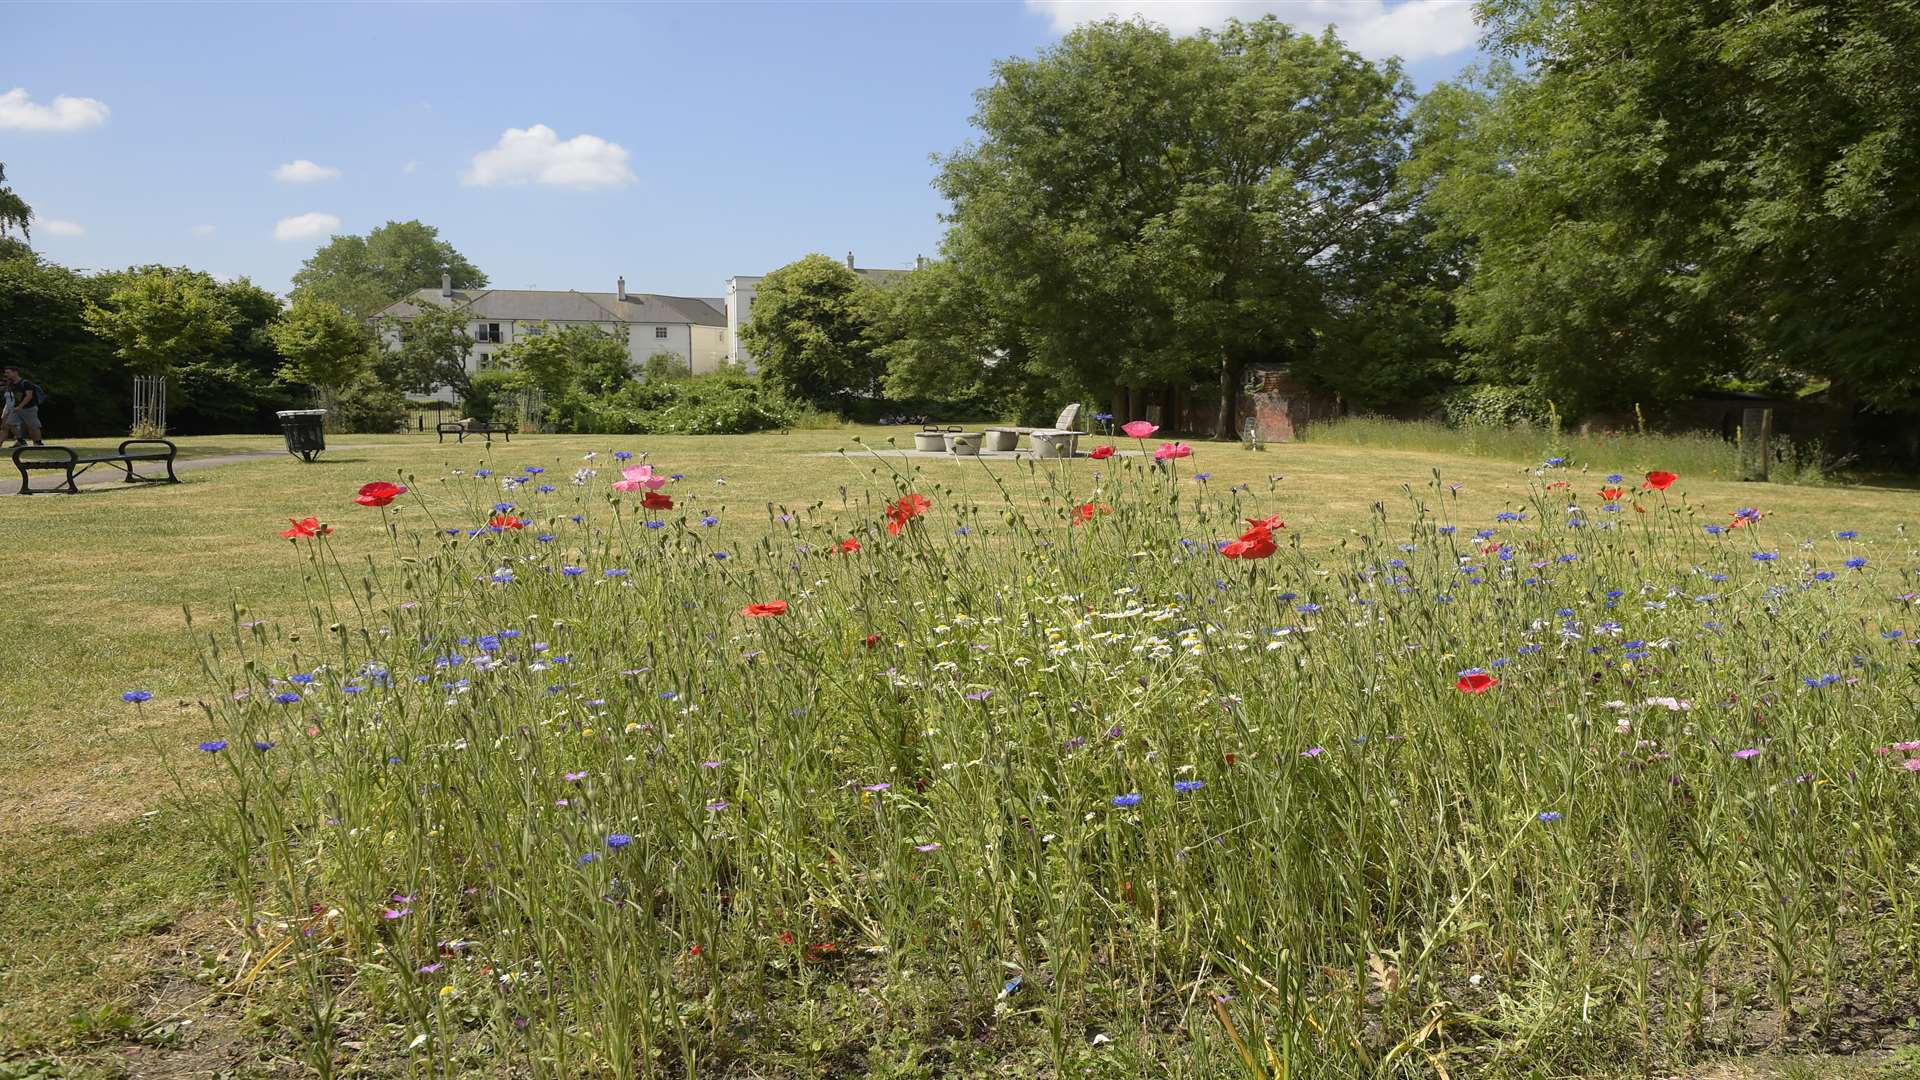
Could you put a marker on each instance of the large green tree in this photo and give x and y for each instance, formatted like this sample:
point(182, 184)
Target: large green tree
point(321, 346)
point(1685, 190)
point(363, 274)
point(1158, 209)
point(811, 333)
point(431, 351)
point(15, 217)
point(159, 319)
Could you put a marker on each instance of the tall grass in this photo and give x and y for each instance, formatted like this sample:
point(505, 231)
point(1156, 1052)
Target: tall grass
point(542, 799)
point(1700, 454)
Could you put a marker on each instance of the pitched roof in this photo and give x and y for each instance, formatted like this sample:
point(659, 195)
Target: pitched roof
point(537, 305)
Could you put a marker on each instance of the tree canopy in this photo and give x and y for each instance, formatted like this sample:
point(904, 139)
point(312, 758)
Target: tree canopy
point(363, 274)
point(1155, 209)
point(323, 346)
point(1682, 192)
point(810, 333)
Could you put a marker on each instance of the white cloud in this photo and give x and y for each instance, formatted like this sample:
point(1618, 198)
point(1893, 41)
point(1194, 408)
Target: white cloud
point(305, 226)
point(56, 227)
point(20, 113)
point(1410, 29)
point(205, 230)
point(409, 168)
point(305, 172)
point(537, 155)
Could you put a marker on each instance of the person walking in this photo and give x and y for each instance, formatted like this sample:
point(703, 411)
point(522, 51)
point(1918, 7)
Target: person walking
point(25, 412)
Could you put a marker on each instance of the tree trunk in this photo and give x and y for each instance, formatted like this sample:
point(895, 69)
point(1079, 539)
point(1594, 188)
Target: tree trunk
point(1223, 427)
point(1117, 404)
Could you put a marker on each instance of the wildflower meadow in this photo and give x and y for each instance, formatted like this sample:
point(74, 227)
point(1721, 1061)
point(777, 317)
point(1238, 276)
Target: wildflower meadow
point(1113, 772)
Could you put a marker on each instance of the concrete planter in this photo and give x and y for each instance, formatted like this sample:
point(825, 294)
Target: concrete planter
point(1052, 445)
point(964, 443)
point(931, 442)
point(1000, 440)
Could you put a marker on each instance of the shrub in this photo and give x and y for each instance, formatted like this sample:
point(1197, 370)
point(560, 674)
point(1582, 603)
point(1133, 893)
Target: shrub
point(369, 406)
point(487, 394)
point(1490, 405)
point(721, 403)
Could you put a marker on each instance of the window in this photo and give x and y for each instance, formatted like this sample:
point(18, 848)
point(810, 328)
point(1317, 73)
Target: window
point(489, 331)
point(659, 331)
point(482, 361)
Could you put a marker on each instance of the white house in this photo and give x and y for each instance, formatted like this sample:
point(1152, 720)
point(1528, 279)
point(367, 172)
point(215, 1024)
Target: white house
point(691, 328)
point(739, 305)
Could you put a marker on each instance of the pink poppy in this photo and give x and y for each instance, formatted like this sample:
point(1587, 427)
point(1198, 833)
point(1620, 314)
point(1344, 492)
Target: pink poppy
point(1138, 429)
point(1169, 450)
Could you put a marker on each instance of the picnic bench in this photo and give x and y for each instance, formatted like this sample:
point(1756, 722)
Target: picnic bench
point(460, 429)
point(74, 462)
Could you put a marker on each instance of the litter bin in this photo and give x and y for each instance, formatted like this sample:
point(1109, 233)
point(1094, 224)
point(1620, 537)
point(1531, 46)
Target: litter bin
point(306, 435)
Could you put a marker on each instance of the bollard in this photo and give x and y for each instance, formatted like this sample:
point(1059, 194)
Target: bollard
point(1756, 439)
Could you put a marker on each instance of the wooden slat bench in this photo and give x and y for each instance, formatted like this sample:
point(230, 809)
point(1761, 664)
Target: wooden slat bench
point(460, 431)
point(73, 462)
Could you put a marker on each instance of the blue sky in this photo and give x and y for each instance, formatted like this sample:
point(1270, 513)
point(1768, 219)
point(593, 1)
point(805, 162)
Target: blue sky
point(557, 146)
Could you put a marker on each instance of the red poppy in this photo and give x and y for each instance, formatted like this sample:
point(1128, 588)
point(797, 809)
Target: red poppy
point(1557, 485)
point(378, 493)
point(653, 500)
point(1475, 682)
point(506, 521)
point(909, 507)
point(1085, 511)
point(305, 527)
point(1660, 481)
point(1612, 494)
point(1101, 453)
point(761, 611)
point(1269, 523)
point(848, 546)
point(872, 640)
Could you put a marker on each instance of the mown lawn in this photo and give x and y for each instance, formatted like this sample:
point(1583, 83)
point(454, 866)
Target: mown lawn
point(114, 929)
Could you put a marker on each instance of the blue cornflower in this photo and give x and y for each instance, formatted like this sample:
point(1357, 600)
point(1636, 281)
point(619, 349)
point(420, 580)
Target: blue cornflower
point(614, 571)
point(1556, 461)
point(1856, 562)
point(1203, 477)
point(709, 520)
point(1306, 609)
point(573, 571)
point(1549, 815)
point(1509, 515)
point(503, 507)
point(1565, 613)
point(214, 746)
point(622, 455)
point(1483, 534)
point(1823, 575)
point(619, 840)
point(489, 643)
point(534, 470)
point(1713, 530)
point(1448, 530)
point(1103, 417)
point(962, 531)
point(302, 678)
point(655, 523)
point(262, 745)
point(1764, 556)
point(1131, 798)
point(1847, 534)
point(137, 696)
point(286, 697)
point(503, 576)
point(720, 556)
point(546, 489)
point(591, 856)
point(1613, 478)
point(483, 472)
point(1184, 786)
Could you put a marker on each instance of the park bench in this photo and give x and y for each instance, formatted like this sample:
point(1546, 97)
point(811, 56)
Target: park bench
point(460, 429)
point(74, 462)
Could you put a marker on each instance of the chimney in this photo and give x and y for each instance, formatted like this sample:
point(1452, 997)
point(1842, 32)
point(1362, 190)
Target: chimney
point(446, 284)
point(919, 262)
point(622, 287)
point(849, 260)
